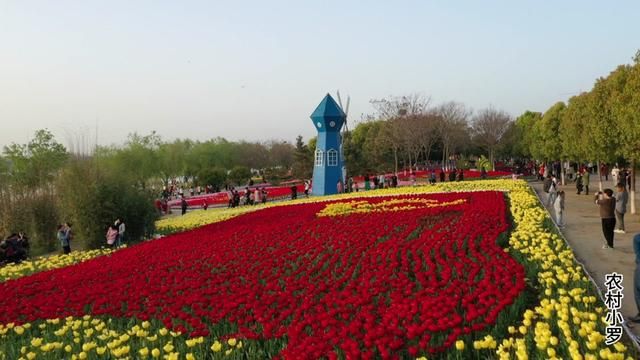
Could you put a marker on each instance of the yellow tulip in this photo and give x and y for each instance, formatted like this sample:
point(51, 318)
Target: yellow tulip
point(216, 346)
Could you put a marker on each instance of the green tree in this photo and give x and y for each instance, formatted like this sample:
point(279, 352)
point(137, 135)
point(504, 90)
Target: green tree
point(94, 192)
point(525, 139)
point(139, 158)
point(302, 167)
point(239, 175)
point(547, 128)
point(214, 176)
point(173, 158)
point(572, 131)
point(35, 164)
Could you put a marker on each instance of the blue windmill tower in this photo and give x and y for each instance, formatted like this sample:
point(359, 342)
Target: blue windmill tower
point(328, 119)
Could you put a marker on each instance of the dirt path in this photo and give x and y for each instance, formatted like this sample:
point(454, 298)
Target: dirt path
point(583, 231)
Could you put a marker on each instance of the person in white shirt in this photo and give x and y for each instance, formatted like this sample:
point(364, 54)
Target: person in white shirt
point(553, 192)
point(615, 172)
point(558, 206)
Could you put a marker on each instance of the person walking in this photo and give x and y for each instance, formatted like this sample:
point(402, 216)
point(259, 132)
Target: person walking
point(614, 174)
point(367, 185)
point(558, 206)
point(442, 175)
point(622, 198)
point(553, 191)
point(579, 185)
point(585, 181)
point(607, 204)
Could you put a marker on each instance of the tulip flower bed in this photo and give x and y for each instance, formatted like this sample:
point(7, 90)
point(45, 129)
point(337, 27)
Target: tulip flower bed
point(14, 271)
point(392, 273)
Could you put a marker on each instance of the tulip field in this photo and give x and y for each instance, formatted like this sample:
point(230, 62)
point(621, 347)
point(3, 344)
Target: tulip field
point(467, 270)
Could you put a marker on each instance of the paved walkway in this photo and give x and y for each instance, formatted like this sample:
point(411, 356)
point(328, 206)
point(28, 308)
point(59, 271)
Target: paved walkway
point(583, 231)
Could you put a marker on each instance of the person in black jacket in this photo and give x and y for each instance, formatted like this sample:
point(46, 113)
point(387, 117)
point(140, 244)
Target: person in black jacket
point(184, 205)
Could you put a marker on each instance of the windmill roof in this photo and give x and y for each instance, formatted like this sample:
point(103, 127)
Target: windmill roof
point(328, 108)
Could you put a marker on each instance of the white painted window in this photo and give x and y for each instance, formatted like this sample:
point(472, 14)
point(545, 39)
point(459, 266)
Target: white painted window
point(319, 157)
point(332, 157)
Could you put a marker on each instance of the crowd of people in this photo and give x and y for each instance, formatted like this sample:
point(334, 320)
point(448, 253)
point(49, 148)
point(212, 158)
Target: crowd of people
point(249, 197)
point(14, 249)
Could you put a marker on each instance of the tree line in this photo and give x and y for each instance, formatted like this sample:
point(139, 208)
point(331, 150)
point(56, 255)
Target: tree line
point(408, 131)
point(601, 125)
point(42, 183)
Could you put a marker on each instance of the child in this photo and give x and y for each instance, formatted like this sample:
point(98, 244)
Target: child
point(559, 208)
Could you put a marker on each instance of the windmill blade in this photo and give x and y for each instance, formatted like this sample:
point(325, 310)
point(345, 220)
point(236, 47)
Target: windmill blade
point(339, 99)
point(346, 112)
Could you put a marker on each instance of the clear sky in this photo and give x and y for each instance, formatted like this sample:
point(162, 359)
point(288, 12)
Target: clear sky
point(256, 69)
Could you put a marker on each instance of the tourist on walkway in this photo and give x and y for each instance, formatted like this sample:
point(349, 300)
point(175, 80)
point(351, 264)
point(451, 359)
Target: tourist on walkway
point(579, 185)
point(553, 190)
point(367, 185)
point(441, 175)
point(607, 204)
point(636, 278)
point(622, 197)
point(585, 181)
point(614, 174)
point(558, 206)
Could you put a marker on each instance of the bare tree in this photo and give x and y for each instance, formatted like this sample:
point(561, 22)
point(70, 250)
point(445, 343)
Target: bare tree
point(406, 119)
point(401, 106)
point(452, 126)
point(489, 127)
point(426, 132)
